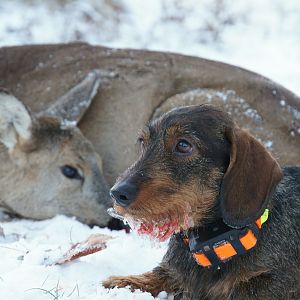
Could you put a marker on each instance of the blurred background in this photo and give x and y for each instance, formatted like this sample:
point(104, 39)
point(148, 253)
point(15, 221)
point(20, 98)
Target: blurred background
point(260, 35)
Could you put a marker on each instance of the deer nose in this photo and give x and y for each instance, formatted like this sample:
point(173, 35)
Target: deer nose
point(124, 193)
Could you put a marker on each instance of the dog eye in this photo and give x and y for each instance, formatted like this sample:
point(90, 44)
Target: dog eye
point(71, 172)
point(183, 147)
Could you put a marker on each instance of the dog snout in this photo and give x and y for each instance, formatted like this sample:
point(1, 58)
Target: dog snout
point(124, 193)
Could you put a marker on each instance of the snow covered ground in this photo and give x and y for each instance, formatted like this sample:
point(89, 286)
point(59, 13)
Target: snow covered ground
point(261, 35)
point(29, 250)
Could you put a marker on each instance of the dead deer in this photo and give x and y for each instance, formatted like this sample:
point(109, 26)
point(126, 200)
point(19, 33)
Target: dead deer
point(47, 166)
point(145, 85)
point(135, 87)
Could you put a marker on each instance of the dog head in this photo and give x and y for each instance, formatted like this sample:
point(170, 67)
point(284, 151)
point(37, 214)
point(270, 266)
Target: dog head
point(195, 165)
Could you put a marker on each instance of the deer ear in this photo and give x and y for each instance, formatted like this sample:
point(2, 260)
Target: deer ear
point(15, 121)
point(249, 181)
point(71, 107)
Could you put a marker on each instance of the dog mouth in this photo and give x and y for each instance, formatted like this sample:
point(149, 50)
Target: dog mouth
point(163, 230)
point(160, 228)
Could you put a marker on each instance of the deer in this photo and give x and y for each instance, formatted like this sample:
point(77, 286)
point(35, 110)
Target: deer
point(136, 86)
point(47, 166)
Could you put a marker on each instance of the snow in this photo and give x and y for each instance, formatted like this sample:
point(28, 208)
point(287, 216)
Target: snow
point(30, 249)
point(263, 36)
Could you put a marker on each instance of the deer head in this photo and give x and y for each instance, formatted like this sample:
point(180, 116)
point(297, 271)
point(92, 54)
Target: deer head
point(47, 166)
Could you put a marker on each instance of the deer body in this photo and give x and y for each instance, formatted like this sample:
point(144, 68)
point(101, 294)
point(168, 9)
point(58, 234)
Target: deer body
point(137, 85)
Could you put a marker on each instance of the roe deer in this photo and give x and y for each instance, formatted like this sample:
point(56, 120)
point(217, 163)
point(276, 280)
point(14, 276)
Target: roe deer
point(47, 166)
point(147, 84)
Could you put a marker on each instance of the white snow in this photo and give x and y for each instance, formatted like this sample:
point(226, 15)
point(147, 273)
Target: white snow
point(30, 248)
point(263, 36)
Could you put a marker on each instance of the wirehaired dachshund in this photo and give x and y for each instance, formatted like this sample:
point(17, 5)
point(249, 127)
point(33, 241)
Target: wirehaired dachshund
point(232, 213)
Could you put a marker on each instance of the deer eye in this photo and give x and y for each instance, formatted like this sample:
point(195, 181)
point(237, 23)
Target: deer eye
point(141, 142)
point(71, 172)
point(183, 147)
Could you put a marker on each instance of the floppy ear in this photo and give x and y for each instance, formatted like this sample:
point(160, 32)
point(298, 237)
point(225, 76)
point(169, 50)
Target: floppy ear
point(71, 107)
point(15, 121)
point(249, 181)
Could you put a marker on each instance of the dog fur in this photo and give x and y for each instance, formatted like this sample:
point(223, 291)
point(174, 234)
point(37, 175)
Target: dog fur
point(228, 174)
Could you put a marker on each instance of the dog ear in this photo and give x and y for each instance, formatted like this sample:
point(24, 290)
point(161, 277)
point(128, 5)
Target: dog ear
point(249, 181)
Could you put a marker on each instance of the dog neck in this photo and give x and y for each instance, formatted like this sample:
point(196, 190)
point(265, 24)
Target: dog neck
point(217, 243)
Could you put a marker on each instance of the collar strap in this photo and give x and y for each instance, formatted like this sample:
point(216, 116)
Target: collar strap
point(219, 243)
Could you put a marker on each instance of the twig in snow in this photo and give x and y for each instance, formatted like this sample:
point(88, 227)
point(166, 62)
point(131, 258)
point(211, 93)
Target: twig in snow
point(75, 288)
point(55, 297)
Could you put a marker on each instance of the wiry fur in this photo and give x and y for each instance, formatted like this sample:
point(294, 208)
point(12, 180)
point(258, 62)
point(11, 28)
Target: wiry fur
point(214, 182)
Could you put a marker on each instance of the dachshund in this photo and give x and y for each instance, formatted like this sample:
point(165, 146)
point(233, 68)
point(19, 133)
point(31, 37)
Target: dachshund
point(231, 212)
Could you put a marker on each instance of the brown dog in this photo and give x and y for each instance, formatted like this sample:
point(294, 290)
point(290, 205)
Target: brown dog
point(208, 183)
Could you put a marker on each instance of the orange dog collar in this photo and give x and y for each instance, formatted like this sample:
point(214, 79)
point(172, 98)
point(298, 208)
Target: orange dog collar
point(219, 243)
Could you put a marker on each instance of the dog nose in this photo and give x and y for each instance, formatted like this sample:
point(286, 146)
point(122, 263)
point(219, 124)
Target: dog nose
point(124, 194)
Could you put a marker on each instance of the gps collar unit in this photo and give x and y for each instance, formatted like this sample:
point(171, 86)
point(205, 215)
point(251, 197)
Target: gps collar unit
point(216, 244)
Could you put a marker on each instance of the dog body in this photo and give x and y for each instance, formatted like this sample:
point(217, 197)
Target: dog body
point(271, 271)
point(197, 168)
